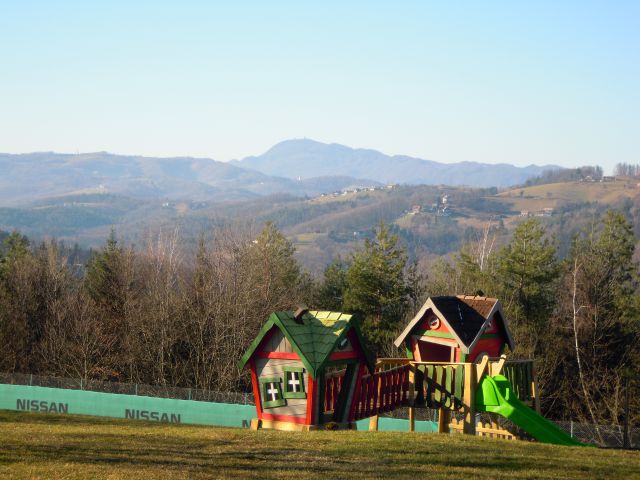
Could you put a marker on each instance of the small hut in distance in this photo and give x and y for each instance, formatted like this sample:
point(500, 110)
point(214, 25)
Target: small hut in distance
point(456, 329)
point(304, 369)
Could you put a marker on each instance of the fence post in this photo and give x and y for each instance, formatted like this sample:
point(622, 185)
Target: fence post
point(571, 428)
point(189, 394)
point(444, 418)
point(81, 387)
point(31, 379)
point(373, 423)
point(412, 389)
point(534, 387)
point(136, 389)
point(626, 441)
point(469, 401)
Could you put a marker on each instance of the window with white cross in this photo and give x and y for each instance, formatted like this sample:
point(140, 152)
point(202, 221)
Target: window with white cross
point(294, 383)
point(272, 392)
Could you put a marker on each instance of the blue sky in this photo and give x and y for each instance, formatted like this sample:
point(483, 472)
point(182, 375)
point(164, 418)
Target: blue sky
point(494, 81)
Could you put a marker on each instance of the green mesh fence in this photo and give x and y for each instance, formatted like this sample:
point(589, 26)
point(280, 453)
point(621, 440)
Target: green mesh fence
point(165, 410)
point(135, 407)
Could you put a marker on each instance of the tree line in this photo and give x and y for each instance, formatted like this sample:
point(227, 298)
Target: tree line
point(627, 170)
point(164, 316)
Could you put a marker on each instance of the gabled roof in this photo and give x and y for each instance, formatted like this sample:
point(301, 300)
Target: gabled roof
point(466, 317)
point(314, 339)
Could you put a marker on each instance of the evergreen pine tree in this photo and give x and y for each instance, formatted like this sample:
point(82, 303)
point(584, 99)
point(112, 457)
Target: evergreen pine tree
point(376, 287)
point(526, 273)
point(330, 295)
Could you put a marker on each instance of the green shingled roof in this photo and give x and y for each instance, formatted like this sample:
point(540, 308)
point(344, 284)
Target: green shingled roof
point(314, 339)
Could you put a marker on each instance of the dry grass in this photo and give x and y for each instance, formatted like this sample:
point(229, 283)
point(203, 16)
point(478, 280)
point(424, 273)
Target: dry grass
point(49, 446)
point(551, 195)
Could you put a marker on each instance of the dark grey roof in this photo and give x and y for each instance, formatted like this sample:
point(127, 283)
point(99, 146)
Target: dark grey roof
point(463, 319)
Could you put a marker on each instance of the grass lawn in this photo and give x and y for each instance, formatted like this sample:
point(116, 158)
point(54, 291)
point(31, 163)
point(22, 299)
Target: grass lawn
point(49, 446)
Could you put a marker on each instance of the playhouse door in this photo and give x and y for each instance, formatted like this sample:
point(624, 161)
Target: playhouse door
point(336, 391)
point(435, 352)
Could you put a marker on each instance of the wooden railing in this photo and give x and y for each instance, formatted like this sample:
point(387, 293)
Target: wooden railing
point(520, 374)
point(439, 385)
point(333, 384)
point(445, 386)
point(485, 429)
point(383, 364)
point(382, 392)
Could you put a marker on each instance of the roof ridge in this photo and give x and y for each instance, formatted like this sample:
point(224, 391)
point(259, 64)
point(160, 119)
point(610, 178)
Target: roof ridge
point(475, 297)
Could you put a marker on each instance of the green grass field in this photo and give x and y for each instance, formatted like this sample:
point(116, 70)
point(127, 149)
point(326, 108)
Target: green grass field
point(48, 446)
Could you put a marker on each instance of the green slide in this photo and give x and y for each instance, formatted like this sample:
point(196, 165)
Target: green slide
point(495, 395)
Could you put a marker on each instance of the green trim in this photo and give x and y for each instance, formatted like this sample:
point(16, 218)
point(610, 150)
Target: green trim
point(302, 393)
point(433, 333)
point(320, 396)
point(407, 348)
point(369, 357)
point(298, 395)
point(463, 357)
point(256, 341)
point(277, 381)
point(275, 321)
point(486, 336)
point(293, 369)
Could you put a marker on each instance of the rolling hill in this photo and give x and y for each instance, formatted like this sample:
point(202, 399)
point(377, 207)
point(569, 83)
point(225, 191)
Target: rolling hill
point(80, 198)
point(305, 158)
point(29, 178)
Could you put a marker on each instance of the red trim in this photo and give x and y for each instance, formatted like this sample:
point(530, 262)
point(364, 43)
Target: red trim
point(311, 400)
point(256, 388)
point(283, 355)
point(283, 418)
point(353, 338)
point(343, 355)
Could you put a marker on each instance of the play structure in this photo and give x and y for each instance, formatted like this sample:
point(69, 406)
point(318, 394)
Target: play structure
point(311, 370)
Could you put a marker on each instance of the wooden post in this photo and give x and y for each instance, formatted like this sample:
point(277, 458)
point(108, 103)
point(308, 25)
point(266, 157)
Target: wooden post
point(496, 367)
point(412, 390)
point(626, 441)
point(469, 399)
point(373, 423)
point(444, 418)
point(534, 389)
point(378, 400)
point(482, 367)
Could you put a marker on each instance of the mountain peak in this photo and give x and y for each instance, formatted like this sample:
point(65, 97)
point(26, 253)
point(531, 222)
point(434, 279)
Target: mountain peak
point(307, 158)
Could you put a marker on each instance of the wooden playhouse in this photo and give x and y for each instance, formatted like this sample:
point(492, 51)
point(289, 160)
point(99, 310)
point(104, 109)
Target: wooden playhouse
point(305, 367)
point(456, 329)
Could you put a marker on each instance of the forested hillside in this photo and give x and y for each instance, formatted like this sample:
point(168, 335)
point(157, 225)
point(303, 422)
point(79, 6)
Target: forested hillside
point(430, 220)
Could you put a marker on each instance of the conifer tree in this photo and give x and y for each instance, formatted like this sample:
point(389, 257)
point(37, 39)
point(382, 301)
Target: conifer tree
point(527, 268)
point(376, 287)
point(330, 295)
point(275, 273)
point(526, 273)
point(14, 246)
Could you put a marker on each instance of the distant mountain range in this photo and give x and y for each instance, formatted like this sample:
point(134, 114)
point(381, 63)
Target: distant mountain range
point(295, 167)
point(307, 158)
point(28, 178)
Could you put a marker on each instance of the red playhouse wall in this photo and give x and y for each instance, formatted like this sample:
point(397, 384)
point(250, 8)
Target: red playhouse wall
point(491, 342)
